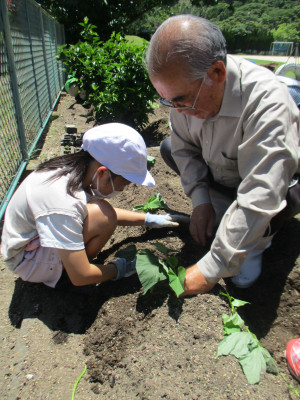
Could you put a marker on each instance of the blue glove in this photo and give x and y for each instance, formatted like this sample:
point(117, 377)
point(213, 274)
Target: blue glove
point(124, 267)
point(164, 220)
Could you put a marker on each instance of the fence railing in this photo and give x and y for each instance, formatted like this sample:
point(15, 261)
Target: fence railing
point(31, 80)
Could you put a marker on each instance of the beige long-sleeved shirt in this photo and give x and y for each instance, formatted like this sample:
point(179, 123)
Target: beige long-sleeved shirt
point(252, 144)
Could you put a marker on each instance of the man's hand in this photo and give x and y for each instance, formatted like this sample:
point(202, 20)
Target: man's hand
point(195, 283)
point(202, 223)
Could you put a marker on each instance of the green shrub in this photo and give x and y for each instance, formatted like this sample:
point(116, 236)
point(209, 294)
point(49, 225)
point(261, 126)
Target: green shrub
point(113, 75)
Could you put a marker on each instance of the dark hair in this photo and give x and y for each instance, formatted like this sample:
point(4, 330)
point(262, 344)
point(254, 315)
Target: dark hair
point(75, 164)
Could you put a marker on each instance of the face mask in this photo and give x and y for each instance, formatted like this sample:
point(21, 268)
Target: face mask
point(97, 193)
point(114, 192)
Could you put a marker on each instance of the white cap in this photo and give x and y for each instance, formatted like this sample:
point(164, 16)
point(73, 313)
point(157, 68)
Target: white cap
point(121, 149)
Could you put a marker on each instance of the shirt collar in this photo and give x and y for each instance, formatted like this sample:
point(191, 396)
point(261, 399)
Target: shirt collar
point(232, 98)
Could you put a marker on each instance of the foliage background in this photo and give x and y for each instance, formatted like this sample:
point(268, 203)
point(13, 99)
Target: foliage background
point(112, 75)
point(108, 15)
point(246, 24)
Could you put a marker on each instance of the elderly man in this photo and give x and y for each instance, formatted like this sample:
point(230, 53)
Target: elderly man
point(234, 140)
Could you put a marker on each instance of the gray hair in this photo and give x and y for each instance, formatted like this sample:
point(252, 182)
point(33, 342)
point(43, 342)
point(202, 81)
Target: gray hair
point(187, 40)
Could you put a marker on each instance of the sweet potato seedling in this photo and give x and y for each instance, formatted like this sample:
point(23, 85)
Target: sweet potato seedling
point(151, 269)
point(244, 345)
point(152, 204)
point(150, 161)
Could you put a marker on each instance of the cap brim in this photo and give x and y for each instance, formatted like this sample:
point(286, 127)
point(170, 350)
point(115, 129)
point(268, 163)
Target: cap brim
point(147, 180)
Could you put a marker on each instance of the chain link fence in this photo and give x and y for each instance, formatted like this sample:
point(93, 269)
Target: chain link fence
point(31, 80)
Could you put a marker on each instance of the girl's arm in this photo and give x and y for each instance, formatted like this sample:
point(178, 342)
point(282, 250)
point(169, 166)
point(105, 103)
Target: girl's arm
point(82, 272)
point(130, 218)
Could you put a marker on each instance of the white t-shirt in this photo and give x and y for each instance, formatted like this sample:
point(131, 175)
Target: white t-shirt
point(43, 208)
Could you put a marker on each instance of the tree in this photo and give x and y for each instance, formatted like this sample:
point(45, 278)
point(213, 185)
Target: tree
point(147, 24)
point(112, 75)
point(287, 32)
point(219, 12)
point(108, 15)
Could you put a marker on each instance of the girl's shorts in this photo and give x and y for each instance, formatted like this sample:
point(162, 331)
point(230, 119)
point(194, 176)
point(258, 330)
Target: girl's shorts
point(40, 264)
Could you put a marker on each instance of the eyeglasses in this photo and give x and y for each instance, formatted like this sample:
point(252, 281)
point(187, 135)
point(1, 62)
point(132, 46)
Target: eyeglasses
point(171, 104)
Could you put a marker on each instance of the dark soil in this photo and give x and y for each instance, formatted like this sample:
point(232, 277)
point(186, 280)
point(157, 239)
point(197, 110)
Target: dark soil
point(158, 346)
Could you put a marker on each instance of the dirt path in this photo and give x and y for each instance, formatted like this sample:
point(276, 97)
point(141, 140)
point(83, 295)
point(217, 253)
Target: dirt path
point(143, 347)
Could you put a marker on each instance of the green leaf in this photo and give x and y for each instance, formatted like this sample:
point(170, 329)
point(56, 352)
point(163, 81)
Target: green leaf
point(153, 203)
point(271, 365)
point(156, 202)
point(149, 269)
point(181, 272)
point(94, 86)
point(232, 323)
point(129, 252)
point(254, 359)
point(151, 161)
point(253, 364)
point(164, 266)
point(162, 248)
point(237, 344)
point(239, 303)
point(172, 261)
point(140, 207)
point(175, 282)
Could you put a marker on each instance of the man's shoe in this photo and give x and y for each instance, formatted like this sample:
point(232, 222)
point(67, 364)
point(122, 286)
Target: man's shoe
point(293, 357)
point(250, 271)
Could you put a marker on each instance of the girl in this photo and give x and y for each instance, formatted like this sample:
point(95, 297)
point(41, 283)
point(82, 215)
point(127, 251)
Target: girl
point(59, 217)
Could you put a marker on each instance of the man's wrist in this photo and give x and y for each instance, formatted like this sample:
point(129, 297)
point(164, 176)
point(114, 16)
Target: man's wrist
point(195, 282)
point(208, 268)
point(200, 195)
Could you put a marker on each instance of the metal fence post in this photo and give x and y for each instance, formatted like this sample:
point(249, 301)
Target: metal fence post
point(51, 50)
point(33, 64)
point(13, 79)
point(44, 55)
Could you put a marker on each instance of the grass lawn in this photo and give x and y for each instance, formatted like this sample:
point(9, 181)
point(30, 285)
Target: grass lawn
point(276, 64)
point(135, 40)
